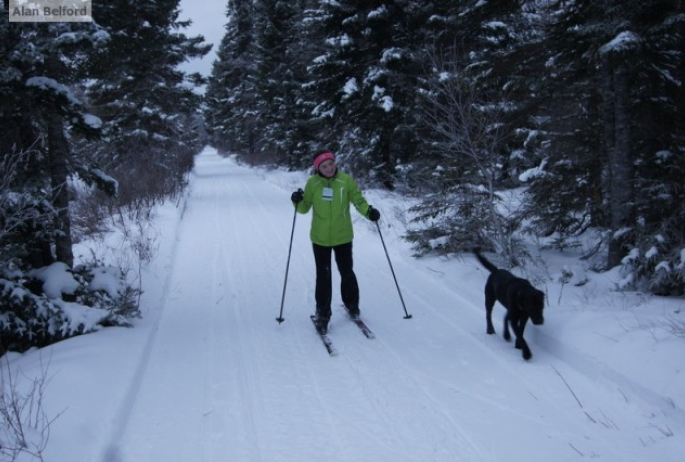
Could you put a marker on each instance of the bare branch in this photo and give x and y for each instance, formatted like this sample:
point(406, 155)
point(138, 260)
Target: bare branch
point(24, 426)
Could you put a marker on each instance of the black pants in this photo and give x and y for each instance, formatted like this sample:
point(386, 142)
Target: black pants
point(348, 285)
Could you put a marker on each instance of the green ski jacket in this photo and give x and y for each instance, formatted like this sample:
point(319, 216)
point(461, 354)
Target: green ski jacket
point(330, 199)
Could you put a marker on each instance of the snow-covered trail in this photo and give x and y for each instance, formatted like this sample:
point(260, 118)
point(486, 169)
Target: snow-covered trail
point(223, 381)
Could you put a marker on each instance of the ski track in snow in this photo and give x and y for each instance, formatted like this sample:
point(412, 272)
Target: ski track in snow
point(270, 392)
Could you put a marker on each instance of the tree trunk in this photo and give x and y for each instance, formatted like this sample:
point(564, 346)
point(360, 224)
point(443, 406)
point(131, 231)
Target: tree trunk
point(616, 93)
point(385, 173)
point(58, 150)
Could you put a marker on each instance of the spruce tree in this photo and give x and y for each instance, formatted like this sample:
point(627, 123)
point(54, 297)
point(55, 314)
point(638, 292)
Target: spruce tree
point(614, 88)
point(279, 74)
point(230, 100)
point(363, 83)
point(472, 108)
point(147, 104)
point(44, 62)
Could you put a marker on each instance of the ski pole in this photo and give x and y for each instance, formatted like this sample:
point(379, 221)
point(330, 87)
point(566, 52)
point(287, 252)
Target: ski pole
point(287, 267)
point(408, 316)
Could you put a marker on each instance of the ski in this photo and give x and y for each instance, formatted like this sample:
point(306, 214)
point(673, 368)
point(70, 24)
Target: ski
point(325, 339)
point(362, 325)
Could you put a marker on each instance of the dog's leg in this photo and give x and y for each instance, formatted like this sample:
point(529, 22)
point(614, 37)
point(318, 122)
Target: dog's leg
point(525, 351)
point(521, 343)
point(507, 320)
point(518, 333)
point(489, 304)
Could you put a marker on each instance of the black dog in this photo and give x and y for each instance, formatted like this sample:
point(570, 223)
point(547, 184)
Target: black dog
point(518, 296)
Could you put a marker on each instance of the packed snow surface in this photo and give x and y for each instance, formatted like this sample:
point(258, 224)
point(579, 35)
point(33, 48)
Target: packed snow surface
point(209, 375)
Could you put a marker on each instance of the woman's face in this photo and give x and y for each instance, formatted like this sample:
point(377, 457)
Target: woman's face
point(327, 168)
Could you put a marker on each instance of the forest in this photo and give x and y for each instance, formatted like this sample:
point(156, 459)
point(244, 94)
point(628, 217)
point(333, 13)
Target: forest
point(576, 107)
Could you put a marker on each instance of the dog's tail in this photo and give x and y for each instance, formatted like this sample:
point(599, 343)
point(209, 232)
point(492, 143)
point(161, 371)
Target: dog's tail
point(489, 266)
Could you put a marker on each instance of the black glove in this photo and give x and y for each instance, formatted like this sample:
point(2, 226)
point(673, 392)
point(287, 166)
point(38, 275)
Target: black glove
point(373, 214)
point(297, 196)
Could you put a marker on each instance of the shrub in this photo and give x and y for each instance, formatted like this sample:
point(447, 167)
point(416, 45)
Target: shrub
point(43, 306)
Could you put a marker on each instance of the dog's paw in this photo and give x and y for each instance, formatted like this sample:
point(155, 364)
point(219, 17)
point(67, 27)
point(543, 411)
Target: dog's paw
point(527, 354)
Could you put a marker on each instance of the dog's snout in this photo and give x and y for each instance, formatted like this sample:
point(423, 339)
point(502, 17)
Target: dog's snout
point(538, 321)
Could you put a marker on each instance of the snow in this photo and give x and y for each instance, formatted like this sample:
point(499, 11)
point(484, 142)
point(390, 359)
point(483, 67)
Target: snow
point(391, 54)
point(209, 375)
point(57, 279)
point(80, 316)
point(92, 121)
point(342, 41)
point(534, 172)
point(624, 41)
point(378, 12)
point(350, 88)
point(46, 83)
point(384, 101)
point(106, 278)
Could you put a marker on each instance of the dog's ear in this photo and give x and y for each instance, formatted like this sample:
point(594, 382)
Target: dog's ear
point(520, 300)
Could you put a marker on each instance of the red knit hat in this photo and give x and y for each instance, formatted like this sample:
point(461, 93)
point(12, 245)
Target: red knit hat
point(321, 157)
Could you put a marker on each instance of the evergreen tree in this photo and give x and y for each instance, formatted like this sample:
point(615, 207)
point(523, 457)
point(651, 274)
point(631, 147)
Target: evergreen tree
point(147, 104)
point(42, 113)
point(565, 194)
point(279, 74)
point(582, 100)
point(364, 83)
point(471, 119)
point(43, 62)
point(654, 112)
point(231, 96)
point(614, 89)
